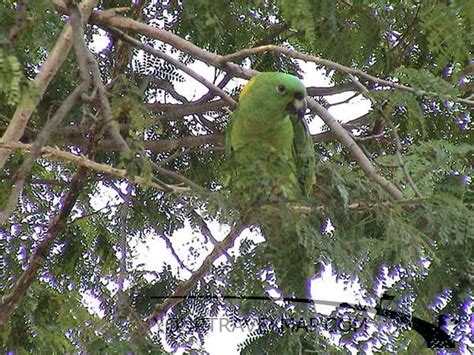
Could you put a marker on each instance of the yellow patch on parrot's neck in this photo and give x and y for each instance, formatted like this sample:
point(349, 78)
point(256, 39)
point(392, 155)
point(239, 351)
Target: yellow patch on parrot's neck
point(247, 87)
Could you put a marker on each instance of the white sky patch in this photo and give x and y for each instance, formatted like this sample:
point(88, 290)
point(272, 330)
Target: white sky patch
point(193, 89)
point(99, 42)
point(327, 288)
point(93, 304)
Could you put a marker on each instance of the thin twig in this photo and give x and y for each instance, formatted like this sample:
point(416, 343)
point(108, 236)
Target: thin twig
point(344, 101)
point(167, 241)
point(175, 176)
point(175, 62)
point(359, 206)
point(206, 232)
point(172, 112)
point(368, 138)
point(398, 154)
point(121, 298)
point(396, 136)
point(330, 64)
point(179, 152)
point(88, 215)
point(210, 94)
point(166, 86)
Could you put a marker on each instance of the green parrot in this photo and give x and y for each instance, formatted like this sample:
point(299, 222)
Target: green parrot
point(268, 142)
point(271, 162)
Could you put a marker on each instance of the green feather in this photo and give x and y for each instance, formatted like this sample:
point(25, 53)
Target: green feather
point(270, 150)
point(271, 162)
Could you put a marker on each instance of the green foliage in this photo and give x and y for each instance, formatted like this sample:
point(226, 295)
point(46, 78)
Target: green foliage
point(322, 22)
point(10, 78)
point(446, 33)
point(427, 81)
point(422, 44)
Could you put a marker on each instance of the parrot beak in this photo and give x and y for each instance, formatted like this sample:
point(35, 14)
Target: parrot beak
point(297, 106)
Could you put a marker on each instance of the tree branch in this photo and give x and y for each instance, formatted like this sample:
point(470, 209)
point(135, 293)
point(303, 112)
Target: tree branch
point(336, 66)
point(169, 245)
point(231, 102)
point(111, 19)
point(122, 302)
point(177, 111)
point(185, 287)
point(210, 94)
point(88, 64)
point(41, 82)
point(11, 300)
point(35, 152)
point(56, 154)
point(73, 136)
point(396, 136)
point(206, 232)
point(175, 176)
point(355, 150)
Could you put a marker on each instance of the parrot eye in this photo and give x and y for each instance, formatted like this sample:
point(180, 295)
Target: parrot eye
point(281, 89)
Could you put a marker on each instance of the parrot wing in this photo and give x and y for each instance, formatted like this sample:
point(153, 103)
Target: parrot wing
point(304, 155)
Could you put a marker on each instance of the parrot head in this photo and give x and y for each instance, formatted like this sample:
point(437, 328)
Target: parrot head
point(281, 92)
